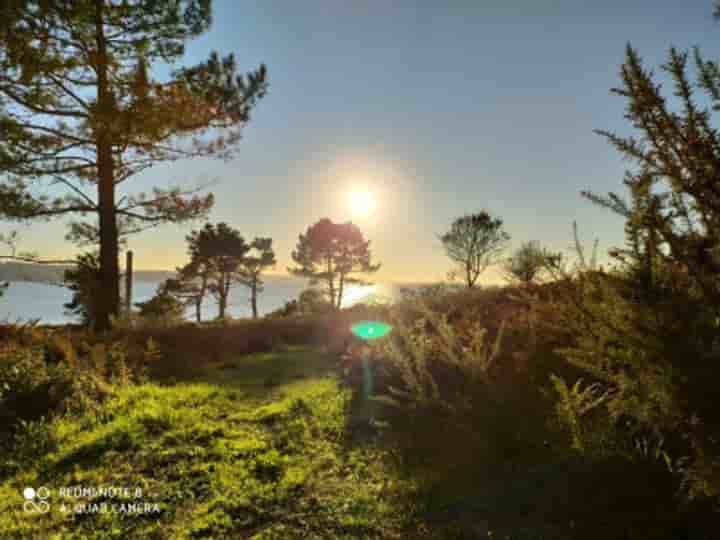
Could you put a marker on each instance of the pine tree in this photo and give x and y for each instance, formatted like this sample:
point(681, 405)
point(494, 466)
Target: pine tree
point(80, 110)
point(191, 285)
point(330, 253)
point(253, 266)
point(220, 250)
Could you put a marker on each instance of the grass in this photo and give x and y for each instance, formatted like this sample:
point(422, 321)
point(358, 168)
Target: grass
point(271, 445)
point(254, 448)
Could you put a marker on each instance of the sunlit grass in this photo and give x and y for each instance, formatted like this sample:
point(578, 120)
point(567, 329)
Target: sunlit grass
point(255, 448)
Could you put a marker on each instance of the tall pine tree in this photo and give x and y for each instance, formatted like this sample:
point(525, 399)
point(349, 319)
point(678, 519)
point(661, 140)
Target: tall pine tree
point(81, 111)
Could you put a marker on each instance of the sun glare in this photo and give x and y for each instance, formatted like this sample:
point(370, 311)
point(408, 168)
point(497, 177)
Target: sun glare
point(362, 203)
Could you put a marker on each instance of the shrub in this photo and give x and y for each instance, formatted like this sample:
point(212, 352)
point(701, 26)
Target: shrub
point(309, 302)
point(531, 263)
point(45, 373)
point(446, 390)
point(163, 309)
point(84, 282)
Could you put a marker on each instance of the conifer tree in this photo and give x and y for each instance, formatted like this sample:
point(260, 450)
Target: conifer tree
point(220, 251)
point(330, 253)
point(81, 111)
point(253, 266)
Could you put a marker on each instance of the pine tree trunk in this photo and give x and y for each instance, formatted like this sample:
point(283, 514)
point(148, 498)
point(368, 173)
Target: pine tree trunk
point(201, 296)
point(253, 299)
point(222, 299)
point(109, 293)
point(341, 286)
point(331, 282)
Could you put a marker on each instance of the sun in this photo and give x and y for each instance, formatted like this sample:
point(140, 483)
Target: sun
point(362, 203)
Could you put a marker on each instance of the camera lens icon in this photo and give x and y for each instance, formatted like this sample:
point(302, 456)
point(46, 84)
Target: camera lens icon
point(35, 499)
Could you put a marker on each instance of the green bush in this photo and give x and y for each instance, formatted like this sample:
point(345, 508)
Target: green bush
point(163, 309)
point(448, 394)
point(309, 302)
point(46, 373)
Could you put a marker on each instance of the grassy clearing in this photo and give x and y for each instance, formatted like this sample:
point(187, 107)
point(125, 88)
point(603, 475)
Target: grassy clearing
point(255, 448)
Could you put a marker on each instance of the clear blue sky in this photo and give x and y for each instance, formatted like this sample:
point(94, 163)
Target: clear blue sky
point(438, 108)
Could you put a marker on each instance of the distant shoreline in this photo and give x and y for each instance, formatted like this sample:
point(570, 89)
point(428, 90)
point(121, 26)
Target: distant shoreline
point(43, 273)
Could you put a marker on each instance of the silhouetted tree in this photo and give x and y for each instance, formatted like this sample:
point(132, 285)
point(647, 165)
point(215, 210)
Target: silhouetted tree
point(80, 110)
point(529, 261)
point(220, 249)
point(329, 253)
point(474, 242)
point(190, 286)
point(252, 267)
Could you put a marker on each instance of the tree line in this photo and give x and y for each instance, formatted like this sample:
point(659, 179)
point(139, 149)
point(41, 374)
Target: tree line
point(330, 255)
point(82, 114)
point(477, 241)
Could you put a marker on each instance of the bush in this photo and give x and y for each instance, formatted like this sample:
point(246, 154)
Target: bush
point(446, 387)
point(163, 309)
point(309, 302)
point(484, 433)
point(46, 373)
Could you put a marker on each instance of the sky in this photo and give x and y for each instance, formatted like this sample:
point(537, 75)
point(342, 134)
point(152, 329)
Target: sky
point(438, 109)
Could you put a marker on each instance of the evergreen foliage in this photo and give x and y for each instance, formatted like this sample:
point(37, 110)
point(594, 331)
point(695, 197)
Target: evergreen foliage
point(253, 266)
point(473, 243)
point(330, 253)
point(84, 282)
point(647, 330)
point(162, 308)
point(80, 110)
point(218, 251)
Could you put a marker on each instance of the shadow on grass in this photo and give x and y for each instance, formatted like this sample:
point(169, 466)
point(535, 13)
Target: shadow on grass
point(88, 455)
point(257, 374)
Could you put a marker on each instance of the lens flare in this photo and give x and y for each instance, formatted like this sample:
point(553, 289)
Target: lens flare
point(369, 330)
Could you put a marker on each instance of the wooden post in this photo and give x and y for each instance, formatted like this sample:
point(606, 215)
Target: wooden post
point(128, 282)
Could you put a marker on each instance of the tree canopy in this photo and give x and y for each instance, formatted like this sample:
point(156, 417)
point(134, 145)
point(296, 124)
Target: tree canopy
point(331, 253)
point(82, 112)
point(252, 267)
point(220, 249)
point(529, 262)
point(474, 242)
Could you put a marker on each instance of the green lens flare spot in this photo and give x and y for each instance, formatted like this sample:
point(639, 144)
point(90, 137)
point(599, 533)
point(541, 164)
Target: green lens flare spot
point(368, 330)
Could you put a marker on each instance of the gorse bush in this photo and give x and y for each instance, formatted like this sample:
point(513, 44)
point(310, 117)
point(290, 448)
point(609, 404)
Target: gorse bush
point(450, 394)
point(645, 346)
point(648, 330)
point(46, 373)
point(430, 348)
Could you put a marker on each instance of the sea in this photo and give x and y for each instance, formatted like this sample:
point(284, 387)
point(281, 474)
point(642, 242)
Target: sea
point(25, 301)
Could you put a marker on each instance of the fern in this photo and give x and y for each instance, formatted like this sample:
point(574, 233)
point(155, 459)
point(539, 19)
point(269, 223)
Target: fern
point(574, 404)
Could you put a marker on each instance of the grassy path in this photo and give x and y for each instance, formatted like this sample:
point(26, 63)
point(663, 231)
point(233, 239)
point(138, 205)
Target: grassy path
point(255, 448)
